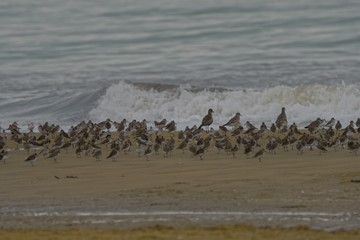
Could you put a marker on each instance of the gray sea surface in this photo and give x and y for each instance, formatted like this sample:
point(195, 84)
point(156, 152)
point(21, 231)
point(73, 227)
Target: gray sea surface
point(73, 60)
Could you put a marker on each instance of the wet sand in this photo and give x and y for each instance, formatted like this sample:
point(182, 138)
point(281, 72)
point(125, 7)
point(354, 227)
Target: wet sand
point(163, 232)
point(284, 189)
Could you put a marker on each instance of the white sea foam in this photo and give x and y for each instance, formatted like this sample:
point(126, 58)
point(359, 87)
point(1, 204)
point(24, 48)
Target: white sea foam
point(187, 106)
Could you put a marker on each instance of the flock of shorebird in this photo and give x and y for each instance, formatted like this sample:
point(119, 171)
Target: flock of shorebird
point(113, 138)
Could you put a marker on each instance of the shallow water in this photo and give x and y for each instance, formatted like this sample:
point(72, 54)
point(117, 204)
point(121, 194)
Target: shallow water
point(316, 220)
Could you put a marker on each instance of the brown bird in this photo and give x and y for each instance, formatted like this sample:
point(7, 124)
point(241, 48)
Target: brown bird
point(273, 128)
point(259, 154)
point(192, 149)
point(147, 153)
point(32, 158)
point(223, 128)
point(353, 146)
point(330, 123)
point(171, 127)
point(237, 131)
point(234, 150)
point(207, 120)
point(321, 148)
point(314, 125)
point(338, 125)
point(200, 152)
point(160, 125)
point(281, 119)
point(53, 153)
point(97, 154)
point(234, 121)
point(3, 157)
point(263, 127)
point(113, 154)
point(183, 145)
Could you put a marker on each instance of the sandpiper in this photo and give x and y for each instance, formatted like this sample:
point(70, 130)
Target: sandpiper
point(160, 125)
point(138, 150)
point(97, 154)
point(148, 152)
point(32, 158)
point(273, 128)
point(338, 125)
point(314, 125)
point(183, 145)
point(171, 126)
point(3, 157)
point(321, 148)
point(53, 153)
point(234, 121)
point(263, 127)
point(207, 120)
point(113, 154)
point(234, 150)
point(259, 154)
point(330, 123)
point(200, 152)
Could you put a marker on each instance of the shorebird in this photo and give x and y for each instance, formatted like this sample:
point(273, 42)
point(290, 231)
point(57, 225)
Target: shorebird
point(200, 152)
point(31, 127)
point(207, 120)
point(259, 154)
point(234, 121)
point(183, 145)
point(321, 148)
point(97, 154)
point(237, 131)
point(353, 146)
point(32, 158)
point(351, 127)
point(148, 152)
point(314, 125)
point(113, 154)
point(53, 153)
point(263, 127)
point(223, 128)
point(3, 157)
point(330, 123)
point(157, 147)
point(281, 119)
point(160, 125)
point(273, 128)
point(234, 150)
point(358, 123)
point(171, 126)
point(166, 149)
point(338, 125)
point(138, 150)
point(248, 149)
point(271, 145)
point(126, 146)
point(250, 128)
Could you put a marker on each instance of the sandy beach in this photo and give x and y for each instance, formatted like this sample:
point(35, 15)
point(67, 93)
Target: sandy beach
point(283, 190)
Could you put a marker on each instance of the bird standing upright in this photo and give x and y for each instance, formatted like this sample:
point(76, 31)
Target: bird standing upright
point(207, 120)
point(281, 120)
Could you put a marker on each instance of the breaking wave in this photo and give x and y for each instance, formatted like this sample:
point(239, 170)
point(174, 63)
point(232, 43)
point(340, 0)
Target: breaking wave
point(187, 105)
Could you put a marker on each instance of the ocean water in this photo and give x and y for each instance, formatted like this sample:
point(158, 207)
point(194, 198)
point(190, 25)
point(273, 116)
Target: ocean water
point(73, 60)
